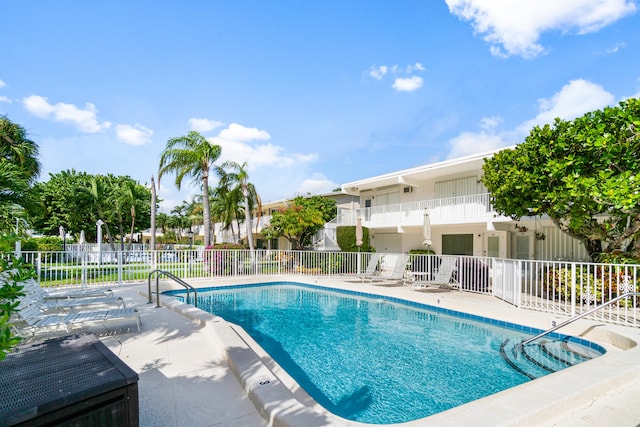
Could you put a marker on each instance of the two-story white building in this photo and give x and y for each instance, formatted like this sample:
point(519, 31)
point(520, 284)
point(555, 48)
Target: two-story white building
point(462, 220)
point(460, 216)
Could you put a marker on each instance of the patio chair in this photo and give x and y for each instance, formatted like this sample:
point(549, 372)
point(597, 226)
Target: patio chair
point(34, 322)
point(36, 297)
point(398, 273)
point(442, 277)
point(370, 271)
point(32, 285)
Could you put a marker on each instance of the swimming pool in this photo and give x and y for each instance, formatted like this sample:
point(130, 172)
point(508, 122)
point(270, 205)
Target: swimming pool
point(369, 358)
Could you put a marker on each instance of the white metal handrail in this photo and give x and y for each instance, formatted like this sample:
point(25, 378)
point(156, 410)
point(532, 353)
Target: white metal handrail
point(580, 316)
point(178, 280)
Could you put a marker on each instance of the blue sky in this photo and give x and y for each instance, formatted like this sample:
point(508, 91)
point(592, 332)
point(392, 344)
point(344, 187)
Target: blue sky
point(311, 94)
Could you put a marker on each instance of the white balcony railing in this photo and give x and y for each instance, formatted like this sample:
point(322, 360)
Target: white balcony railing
point(473, 208)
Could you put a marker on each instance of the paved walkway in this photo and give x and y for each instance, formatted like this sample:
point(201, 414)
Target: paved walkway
point(186, 381)
point(184, 378)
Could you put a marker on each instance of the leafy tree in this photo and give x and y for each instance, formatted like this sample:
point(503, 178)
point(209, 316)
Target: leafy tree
point(77, 200)
point(191, 155)
point(584, 174)
point(63, 200)
point(300, 221)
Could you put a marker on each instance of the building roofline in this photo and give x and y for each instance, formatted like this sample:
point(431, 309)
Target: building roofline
point(398, 175)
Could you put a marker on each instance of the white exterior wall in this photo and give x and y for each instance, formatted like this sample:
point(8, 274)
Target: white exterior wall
point(457, 203)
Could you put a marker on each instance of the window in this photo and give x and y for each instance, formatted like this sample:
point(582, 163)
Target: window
point(457, 244)
point(459, 187)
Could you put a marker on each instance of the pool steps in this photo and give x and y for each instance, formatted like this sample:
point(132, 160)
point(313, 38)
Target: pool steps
point(544, 357)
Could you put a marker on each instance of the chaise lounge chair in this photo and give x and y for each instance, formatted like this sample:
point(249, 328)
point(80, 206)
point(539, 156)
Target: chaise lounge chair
point(442, 277)
point(85, 292)
point(35, 323)
point(398, 273)
point(370, 271)
point(37, 297)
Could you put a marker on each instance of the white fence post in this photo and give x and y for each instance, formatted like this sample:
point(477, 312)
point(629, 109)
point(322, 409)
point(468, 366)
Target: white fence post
point(573, 289)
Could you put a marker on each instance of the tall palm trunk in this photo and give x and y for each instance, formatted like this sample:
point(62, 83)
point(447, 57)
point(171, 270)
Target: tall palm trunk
point(206, 211)
point(247, 221)
point(152, 241)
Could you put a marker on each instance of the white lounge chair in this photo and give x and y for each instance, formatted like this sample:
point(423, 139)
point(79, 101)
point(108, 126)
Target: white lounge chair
point(398, 272)
point(35, 323)
point(370, 271)
point(37, 297)
point(442, 277)
point(85, 292)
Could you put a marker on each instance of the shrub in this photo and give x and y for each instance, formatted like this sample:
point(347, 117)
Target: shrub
point(49, 244)
point(346, 237)
point(594, 284)
point(12, 273)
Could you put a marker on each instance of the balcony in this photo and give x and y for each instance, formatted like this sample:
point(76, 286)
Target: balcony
point(452, 210)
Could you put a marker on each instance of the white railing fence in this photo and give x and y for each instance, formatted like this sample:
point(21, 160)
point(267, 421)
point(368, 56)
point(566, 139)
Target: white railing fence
point(565, 288)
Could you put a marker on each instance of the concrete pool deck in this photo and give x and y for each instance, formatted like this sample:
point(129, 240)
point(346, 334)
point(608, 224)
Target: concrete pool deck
point(197, 370)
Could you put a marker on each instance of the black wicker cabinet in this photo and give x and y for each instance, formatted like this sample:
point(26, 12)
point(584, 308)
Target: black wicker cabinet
point(70, 381)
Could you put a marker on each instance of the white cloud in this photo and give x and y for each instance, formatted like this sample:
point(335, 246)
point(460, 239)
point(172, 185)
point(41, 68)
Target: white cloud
point(134, 134)
point(317, 184)
point(84, 119)
point(408, 84)
point(573, 100)
point(416, 67)
point(469, 143)
point(490, 123)
point(243, 144)
point(378, 72)
point(514, 27)
point(238, 132)
point(5, 99)
point(616, 48)
point(2, 84)
point(204, 125)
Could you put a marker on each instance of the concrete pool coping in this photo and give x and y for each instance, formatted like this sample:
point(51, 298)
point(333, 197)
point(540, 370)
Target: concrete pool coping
point(546, 400)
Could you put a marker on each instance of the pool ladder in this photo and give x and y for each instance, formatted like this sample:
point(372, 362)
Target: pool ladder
point(178, 280)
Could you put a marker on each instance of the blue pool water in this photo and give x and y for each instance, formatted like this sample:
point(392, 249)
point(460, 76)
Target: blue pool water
point(368, 358)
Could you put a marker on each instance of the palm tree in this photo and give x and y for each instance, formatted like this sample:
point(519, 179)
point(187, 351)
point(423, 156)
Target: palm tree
point(191, 155)
point(226, 205)
point(13, 189)
point(19, 169)
point(98, 194)
point(236, 176)
point(18, 150)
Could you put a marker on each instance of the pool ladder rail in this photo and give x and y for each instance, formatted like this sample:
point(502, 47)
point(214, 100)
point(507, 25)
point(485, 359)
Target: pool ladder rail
point(550, 356)
point(178, 280)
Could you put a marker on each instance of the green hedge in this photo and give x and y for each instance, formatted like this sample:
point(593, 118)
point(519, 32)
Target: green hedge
point(346, 236)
